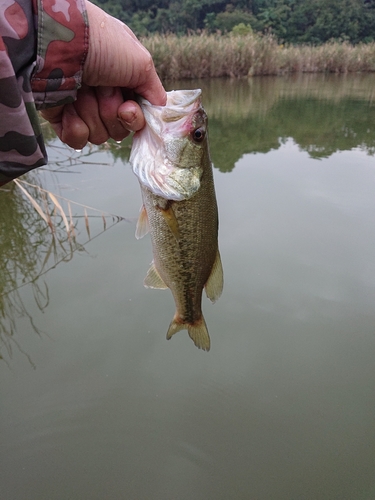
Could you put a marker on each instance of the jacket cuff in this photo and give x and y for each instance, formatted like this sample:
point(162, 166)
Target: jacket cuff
point(62, 45)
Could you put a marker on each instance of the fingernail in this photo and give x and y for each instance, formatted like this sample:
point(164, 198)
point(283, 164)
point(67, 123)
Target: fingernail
point(128, 117)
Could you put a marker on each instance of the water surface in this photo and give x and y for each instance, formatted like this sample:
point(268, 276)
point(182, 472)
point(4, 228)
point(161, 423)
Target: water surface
point(95, 403)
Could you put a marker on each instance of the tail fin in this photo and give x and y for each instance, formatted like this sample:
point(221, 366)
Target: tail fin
point(197, 332)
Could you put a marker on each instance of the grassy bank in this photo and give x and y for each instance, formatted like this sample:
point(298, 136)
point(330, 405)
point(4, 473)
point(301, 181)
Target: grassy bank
point(209, 56)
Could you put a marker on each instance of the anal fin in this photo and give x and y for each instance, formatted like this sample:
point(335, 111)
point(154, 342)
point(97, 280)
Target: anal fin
point(215, 282)
point(153, 279)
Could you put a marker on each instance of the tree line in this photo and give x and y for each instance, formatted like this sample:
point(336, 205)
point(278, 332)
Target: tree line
point(291, 21)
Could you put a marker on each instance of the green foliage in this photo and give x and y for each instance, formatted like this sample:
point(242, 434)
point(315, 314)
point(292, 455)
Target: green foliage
point(226, 21)
point(242, 29)
point(291, 21)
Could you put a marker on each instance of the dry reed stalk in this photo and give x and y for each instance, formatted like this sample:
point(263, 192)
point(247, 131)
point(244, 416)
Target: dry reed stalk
point(87, 223)
point(57, 207)
point(214, 55)
point(32, 201)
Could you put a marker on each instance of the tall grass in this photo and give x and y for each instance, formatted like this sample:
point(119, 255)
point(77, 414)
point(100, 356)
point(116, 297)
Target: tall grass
point(209, 56)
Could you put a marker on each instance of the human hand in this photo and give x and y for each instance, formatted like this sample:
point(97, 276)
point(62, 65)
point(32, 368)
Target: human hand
point(117, 67)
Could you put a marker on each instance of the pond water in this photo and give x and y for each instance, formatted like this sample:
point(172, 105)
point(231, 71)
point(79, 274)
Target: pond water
point(95, 403)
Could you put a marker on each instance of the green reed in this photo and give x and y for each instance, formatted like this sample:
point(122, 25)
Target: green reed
point(215, 55)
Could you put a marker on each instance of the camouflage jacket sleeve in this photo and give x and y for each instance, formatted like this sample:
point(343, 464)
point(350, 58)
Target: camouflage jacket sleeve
point(43, 46)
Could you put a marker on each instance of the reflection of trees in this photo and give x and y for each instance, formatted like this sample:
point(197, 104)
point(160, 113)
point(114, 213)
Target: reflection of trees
point(319, 127)
point(323, 127)
point(30, 247)
point(322, 113)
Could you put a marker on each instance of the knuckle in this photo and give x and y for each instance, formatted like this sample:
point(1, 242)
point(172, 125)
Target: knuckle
point(148, 62)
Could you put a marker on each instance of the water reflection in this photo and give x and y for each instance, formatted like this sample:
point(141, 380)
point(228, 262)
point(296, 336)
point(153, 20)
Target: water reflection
point(282, 406)
point(323, 114)
point(34, 239)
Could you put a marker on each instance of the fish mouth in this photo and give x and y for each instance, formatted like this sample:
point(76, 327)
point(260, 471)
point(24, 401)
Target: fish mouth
point(175, 99)
point(179, 105)
point(179, 99)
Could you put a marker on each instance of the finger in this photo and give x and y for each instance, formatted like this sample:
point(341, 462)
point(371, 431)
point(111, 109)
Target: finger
point(109, 101)
point(74, 130)
point(69, 127)
point(131, 116)
point(145, 80)
point(87, 109)
point(54, 117)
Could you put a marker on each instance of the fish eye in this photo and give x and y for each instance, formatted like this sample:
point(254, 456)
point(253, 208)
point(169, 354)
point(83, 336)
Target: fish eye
point(199, 134)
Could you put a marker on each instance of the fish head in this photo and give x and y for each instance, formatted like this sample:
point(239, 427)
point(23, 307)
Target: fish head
point(168, 155)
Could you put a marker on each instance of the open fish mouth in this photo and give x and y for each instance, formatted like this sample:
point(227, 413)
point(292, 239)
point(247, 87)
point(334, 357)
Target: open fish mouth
point(179, 102)
point(184, 98)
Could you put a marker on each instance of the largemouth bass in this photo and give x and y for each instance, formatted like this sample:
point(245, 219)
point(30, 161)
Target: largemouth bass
point(171, 159)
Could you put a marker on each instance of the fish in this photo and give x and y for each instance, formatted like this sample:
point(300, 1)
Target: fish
point(171, 158)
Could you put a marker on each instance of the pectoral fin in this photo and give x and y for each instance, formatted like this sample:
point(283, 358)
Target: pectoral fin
point(142, 224)
point(171, 220)
point(153, 279)
point(215, 282)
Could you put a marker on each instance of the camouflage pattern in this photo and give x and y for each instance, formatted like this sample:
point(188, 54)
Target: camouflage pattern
point(43, 46)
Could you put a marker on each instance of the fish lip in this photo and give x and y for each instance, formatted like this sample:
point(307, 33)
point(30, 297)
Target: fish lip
point(179, 106)
point(182, 106)
point(175, 99)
